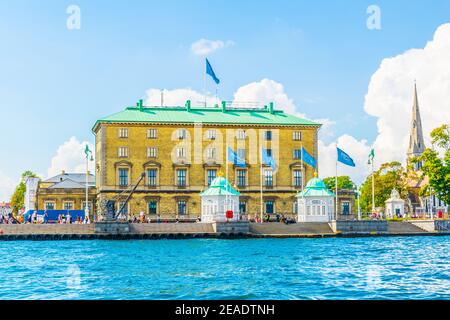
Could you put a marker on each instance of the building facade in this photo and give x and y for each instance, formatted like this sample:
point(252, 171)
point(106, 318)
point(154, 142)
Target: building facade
point(66, 191)
point(347, 210)
point(181, 150)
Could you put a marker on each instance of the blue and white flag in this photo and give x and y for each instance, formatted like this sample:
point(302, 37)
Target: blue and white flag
point(268, 160)
point(210, 71)
point(308, 159)
point(235, 159)
point(345, 158)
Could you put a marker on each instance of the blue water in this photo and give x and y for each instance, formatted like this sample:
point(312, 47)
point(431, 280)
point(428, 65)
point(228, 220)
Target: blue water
point(352, 268)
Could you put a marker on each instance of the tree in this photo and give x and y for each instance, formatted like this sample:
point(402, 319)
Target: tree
point(435, 167)
point(344, 182)
point(17, 199)
point(390, 175)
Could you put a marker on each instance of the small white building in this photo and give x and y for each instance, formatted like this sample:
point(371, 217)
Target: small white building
point(30, 194)
point(315, 202)
point(215, 198)
point(395, 206)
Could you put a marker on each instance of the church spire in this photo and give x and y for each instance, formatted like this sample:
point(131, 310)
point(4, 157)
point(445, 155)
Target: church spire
point(416, 142)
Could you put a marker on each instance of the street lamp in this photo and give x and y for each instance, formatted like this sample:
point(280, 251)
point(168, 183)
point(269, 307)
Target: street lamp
point(88, 153)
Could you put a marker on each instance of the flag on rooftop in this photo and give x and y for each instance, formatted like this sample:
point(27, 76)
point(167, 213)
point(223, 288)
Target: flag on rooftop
point(210, 71)
point(345, 158)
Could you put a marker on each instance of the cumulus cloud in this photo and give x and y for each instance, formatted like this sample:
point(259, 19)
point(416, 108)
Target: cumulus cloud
point(390, 95)
point(264, 92)
point(7, 186)
point(204, 47)
point(357, 149)
point(70, 157)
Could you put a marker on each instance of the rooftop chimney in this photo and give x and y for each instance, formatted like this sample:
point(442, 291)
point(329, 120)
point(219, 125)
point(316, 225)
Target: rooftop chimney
point(188, 106)
point(271, 108)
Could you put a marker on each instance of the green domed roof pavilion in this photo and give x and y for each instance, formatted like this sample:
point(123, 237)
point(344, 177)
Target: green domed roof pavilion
point(316, 188)
point(220, 187)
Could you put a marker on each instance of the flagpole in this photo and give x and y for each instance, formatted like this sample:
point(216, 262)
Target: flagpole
point(373, 189)
point(261, 182)
point(359, 203)
point(336, 214)
point(302, 183)
point(204, 84)
point(226, 174)
point(86, 208)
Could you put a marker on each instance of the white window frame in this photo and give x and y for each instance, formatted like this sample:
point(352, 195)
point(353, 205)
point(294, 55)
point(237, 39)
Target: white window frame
point(181, 152)
point(152, 152)
point(123, 133)
point(122, 152)
point(297, 136)
point(211, 153)
point(240, 134)
point(152, 133)
point(211, 134)
point(47, 202)
point(68, 202)
point(181, 134)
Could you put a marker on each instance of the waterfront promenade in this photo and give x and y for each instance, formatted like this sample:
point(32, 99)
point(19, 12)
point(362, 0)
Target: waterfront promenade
point(224, 230)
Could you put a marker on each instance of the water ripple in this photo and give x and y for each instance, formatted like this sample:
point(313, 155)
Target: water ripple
point(353, 268)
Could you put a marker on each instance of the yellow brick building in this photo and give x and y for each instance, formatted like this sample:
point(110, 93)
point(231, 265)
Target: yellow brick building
point(181, 149)
point(66, 191)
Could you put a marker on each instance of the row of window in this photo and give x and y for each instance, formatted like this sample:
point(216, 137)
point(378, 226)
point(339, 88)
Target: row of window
point(211, 174)
point(210, 134)
point(211, 153)
point(67, 205)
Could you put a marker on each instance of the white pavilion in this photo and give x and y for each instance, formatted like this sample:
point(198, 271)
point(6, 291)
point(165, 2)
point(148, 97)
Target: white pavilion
point(395, 206)
point(315, 202)
point(217, 199)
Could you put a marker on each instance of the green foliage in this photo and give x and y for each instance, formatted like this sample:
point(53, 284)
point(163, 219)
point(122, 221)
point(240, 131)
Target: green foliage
point(390, 175)
point(344, 182)
point(18, 197)
point(437, 168)
point(441, 137)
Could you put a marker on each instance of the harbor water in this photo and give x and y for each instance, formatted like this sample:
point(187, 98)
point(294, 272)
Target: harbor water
point(330, 268)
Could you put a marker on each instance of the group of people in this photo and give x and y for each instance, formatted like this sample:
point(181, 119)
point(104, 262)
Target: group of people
point(143, 219)
point(7, 219)
point(45, 219)
point(68, 219)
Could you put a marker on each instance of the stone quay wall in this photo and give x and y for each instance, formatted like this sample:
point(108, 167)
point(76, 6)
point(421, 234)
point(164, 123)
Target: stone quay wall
point(433, 225)
point(50, 229)
point(242, 227)
point(359, 227)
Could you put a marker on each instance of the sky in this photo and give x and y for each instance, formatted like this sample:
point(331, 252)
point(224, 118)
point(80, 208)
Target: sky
point(317, 59)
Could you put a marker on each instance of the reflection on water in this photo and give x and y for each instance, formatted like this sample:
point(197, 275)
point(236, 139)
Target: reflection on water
point(341, 268)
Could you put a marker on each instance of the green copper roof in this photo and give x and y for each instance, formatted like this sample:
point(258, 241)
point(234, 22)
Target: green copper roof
point(316, 188)
point(219, 187)
point(266, 116)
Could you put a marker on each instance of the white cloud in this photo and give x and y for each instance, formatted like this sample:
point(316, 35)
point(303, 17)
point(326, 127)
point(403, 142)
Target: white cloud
point(204, 47)
point(390, 95)
point(71, 158)
point(264, 92)
point(7, 186)
point(359, 151)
